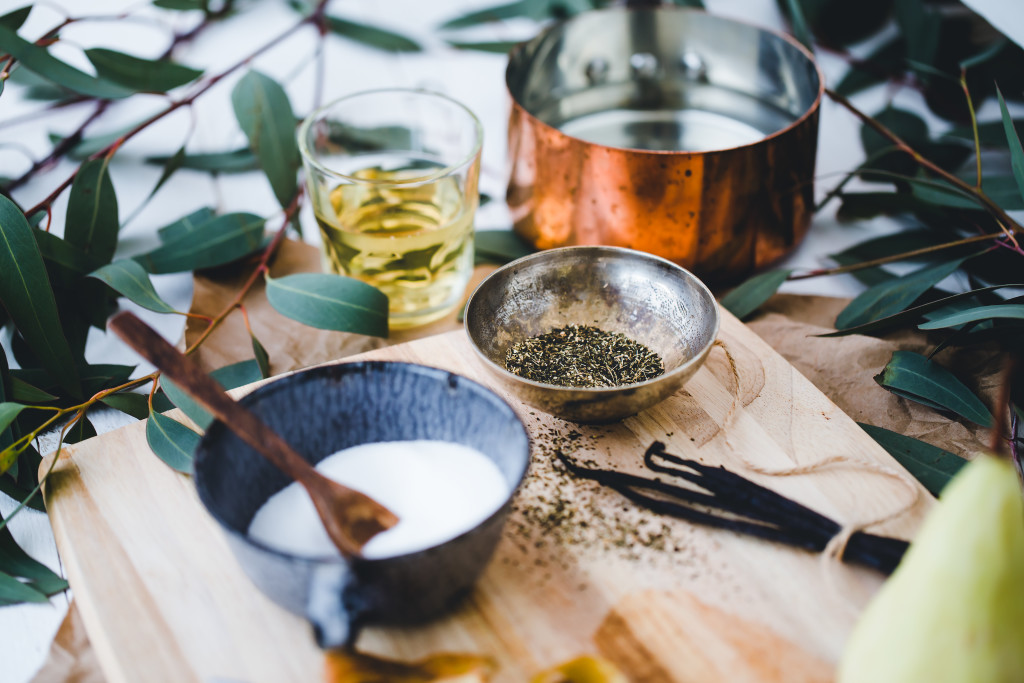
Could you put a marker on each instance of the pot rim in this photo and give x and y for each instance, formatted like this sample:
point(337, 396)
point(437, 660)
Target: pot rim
point(807, 114)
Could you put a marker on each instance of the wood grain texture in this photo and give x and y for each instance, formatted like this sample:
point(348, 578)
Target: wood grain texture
point(579, 570)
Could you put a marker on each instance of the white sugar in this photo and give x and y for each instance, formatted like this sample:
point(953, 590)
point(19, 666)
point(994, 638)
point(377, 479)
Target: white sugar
point(438, 489)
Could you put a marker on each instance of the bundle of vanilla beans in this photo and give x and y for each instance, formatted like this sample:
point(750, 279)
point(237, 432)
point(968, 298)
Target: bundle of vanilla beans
point(725, 500)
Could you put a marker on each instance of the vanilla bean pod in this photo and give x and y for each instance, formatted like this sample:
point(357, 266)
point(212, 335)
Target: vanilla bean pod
point(751, 509)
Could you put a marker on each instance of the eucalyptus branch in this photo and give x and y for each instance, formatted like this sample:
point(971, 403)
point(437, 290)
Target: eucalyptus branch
point(1010, 226)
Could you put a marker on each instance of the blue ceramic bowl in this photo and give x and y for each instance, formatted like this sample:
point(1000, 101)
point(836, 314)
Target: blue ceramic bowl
point(323, 410)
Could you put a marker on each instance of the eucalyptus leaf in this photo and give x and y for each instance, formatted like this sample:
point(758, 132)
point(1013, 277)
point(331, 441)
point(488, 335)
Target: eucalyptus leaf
point(748, 297)
point(37, 59)
point(186, 224)
point(170, 168)
point(372, 36)
point(15, 18)
point(798, 22)
point(222, 240)
point(171, 441)
point(144, 75)
point(129, 403)
point(26, 294)
point(92, 218)
point(330, 302)
point(990, 134)
point(1012, 311)
point(1016, 151)
point(235, 161)
point(13, 591)
point(80, 431)
point(130, 279)
point(8, 412)
point(265, 115)
point(85, 148)
point(918, 378)
point(915, 312)
point(23, 392)
point(929, 464)
point(500, 47)
point(9, 487)
point(262, 359)
point(894, 295)
point(16, 562)
point(180, 4)
point(1000, 189)
point(884, 61)
point(920, 25)
point(512, 10)
point(499, 246)
point(229, 377)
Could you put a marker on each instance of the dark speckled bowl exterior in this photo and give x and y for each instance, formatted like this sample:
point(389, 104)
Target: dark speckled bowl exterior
point(321, 411)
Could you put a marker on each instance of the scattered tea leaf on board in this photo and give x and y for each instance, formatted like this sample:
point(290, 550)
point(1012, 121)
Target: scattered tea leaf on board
point(171, 441)
point(92, 219)
point(235, 161)
point(38, 60)
point(26, 293)
point(918, 378)
point(999, 311)
point(262, 359)
point(748, 297)
point(131, 280)
point(129, 403)
point(265, 116)
point(893, 296)
point(1016, 151)
point(23, 392)
point(13, 591)
point(185, 224)
point(144, 75)
point(330, 302)
point(930, 465)
point(222, 240)
point(16, 562)
point(372, 36)
point(499, 246)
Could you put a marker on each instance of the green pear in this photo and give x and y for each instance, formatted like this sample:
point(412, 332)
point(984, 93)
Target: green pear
point(954, 608)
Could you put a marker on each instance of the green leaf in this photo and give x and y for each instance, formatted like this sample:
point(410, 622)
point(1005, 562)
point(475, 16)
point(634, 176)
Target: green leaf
point(262, 359)
point(170, 168)
point(265, 115)
point(16, 562)
point(55, 250)
point(80, 431)
point(885, 61)
point(92, 219)
point(130, 279)
point(14, 19)
point(907, 125)
point(186, 224)
point(748, 297)
point(236, 161)
point(330, 302)
point(372, 36)
point(1014, 311)
point(222, 240)
point(513, 10)
point(893, 296)
point(23, 392)
point(799, 24)
point(1000, 189)
point(144, 75)
point(171, 441)
point(9, 487)
point(8, 412)
point(13, 591)
point(921, 26)
point(985, 55)
point(930, 465)
point(1016, 151)
point(26, 294)
point(229, 377)
point(38, 60)
point(500, 47)
point(180, 4)
point(136, 405)
point(87, 147)
point(915, 312)
point(499, 246)
point(918, 378)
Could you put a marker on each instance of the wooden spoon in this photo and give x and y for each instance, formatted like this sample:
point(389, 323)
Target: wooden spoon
point(351, 518)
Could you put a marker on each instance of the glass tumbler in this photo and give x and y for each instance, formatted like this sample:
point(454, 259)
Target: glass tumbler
point(392, 176)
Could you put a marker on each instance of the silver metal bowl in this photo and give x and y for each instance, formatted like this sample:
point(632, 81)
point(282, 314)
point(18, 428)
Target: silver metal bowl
point(645, 297)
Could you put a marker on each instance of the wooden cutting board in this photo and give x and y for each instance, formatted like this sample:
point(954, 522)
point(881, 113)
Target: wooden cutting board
point(580, 570)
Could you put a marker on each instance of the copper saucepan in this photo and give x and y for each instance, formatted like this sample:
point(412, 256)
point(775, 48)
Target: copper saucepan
point(666, 130)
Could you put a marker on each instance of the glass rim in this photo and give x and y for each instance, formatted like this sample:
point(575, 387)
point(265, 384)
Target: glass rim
point(309, 158)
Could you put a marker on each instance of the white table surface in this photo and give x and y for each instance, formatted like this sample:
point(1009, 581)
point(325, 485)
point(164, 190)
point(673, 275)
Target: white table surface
point(475, 78)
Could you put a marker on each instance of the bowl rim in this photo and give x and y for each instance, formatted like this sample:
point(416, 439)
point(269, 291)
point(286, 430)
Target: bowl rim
point(615, 252)
point(216, 428)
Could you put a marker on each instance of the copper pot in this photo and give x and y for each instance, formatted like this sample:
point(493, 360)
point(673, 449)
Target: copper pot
point(666, 130)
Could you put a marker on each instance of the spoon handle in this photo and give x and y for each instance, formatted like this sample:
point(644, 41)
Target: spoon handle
point(185, 372)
